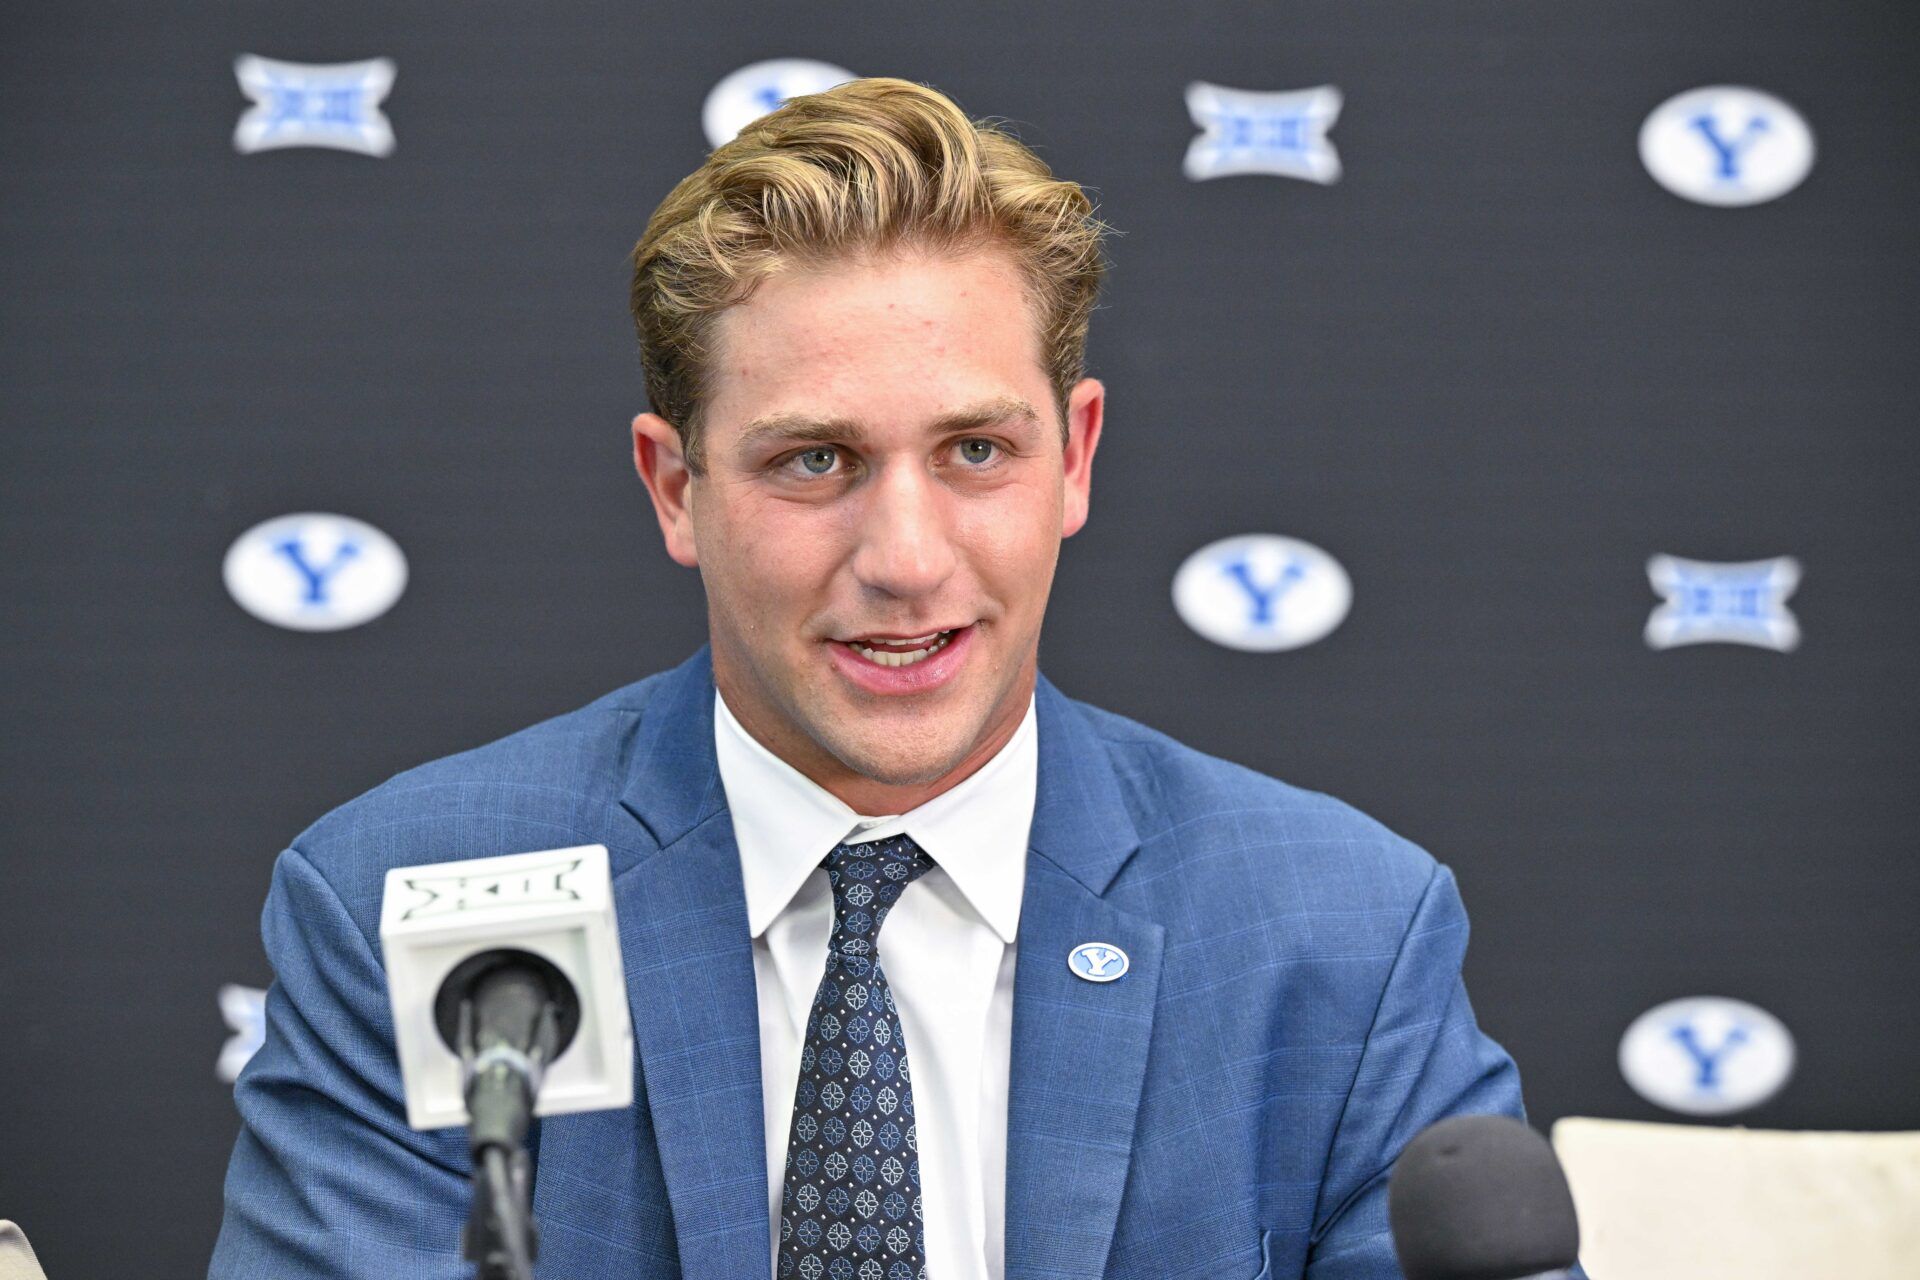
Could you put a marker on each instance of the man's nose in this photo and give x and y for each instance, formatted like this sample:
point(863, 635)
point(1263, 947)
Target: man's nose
point(906, 547)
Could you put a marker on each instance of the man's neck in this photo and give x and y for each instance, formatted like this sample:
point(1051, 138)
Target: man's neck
point(869, 797)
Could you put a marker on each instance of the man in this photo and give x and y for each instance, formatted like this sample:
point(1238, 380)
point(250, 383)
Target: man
point(1138, 1013)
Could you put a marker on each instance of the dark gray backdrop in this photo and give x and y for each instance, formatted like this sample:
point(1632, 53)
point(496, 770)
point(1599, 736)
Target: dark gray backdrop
point(1492, 370)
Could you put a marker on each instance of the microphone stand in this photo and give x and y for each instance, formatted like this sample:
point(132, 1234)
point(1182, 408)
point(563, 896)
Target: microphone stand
point(502, 1082)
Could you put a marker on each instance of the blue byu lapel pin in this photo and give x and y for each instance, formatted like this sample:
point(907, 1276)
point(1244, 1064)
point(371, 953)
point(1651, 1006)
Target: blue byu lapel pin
point(1097, 961)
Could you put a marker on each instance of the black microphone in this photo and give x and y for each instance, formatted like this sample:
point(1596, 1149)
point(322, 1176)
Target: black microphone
point(1482, 1198)
point(507, 1013)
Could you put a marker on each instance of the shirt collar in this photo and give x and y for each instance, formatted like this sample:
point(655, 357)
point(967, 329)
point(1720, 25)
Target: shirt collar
point(785, 823)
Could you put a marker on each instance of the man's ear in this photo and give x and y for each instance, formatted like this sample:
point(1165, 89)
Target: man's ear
point(662, 464)
point(1085, 407)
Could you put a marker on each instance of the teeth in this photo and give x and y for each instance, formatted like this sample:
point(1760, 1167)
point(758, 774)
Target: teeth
point(887, 658)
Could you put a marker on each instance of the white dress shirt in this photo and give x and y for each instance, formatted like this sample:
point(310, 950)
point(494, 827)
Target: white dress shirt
point(947, 949)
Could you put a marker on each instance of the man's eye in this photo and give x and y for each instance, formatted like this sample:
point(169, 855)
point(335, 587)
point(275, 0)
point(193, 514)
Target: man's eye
point(817, 462)
point(977, 452)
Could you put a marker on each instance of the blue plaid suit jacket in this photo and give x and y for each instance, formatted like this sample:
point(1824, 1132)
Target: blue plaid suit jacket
point(1231, 1108)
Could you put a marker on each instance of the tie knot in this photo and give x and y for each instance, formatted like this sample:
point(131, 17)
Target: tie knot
point(867, 880)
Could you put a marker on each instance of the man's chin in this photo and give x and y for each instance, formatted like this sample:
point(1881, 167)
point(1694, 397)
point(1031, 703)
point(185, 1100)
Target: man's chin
point(891, 766)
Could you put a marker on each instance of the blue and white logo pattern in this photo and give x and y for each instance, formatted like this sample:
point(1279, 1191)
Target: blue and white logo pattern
point(1707, 1055)
point(1098, 962)
point(245, 1011)
point(753, 91)
point(299, 104)
point(1246, 131)
point(1713, 603)
point(315, 572)
point(1261, 592)
point(851, 1207)
point(1726, 145)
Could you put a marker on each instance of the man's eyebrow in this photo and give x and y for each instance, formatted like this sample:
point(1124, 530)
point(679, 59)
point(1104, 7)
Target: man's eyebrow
point(805, 428)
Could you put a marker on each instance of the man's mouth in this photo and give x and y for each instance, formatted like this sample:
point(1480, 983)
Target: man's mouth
point(901, 651)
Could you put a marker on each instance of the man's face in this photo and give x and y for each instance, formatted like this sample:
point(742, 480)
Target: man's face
point(884, 494)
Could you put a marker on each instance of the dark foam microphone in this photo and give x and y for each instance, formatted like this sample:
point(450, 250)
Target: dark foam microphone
point(507, 1013)
point(1482, 1198)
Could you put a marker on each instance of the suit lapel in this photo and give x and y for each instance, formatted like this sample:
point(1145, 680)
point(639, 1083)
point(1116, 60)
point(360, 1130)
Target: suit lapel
point(1079, 1047)
point(689, 962)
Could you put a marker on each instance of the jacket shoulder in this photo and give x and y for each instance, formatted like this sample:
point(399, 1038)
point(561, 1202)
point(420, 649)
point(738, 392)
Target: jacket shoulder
point(1190, 808)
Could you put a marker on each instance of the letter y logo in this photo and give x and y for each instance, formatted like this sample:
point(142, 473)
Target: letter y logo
point(1097, 961)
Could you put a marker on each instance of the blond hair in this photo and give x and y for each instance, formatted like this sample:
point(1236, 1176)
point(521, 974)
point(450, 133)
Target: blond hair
point(869, 165)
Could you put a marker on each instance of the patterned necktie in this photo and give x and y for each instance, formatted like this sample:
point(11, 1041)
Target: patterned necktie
point(851, 1209)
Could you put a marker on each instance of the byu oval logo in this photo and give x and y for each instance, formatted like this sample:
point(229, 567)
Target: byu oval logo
point(752, 91)
point(1261, 592)
point(1098, 961)
point(1706, 1055)
point(315, 572)
point(1726, 145)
